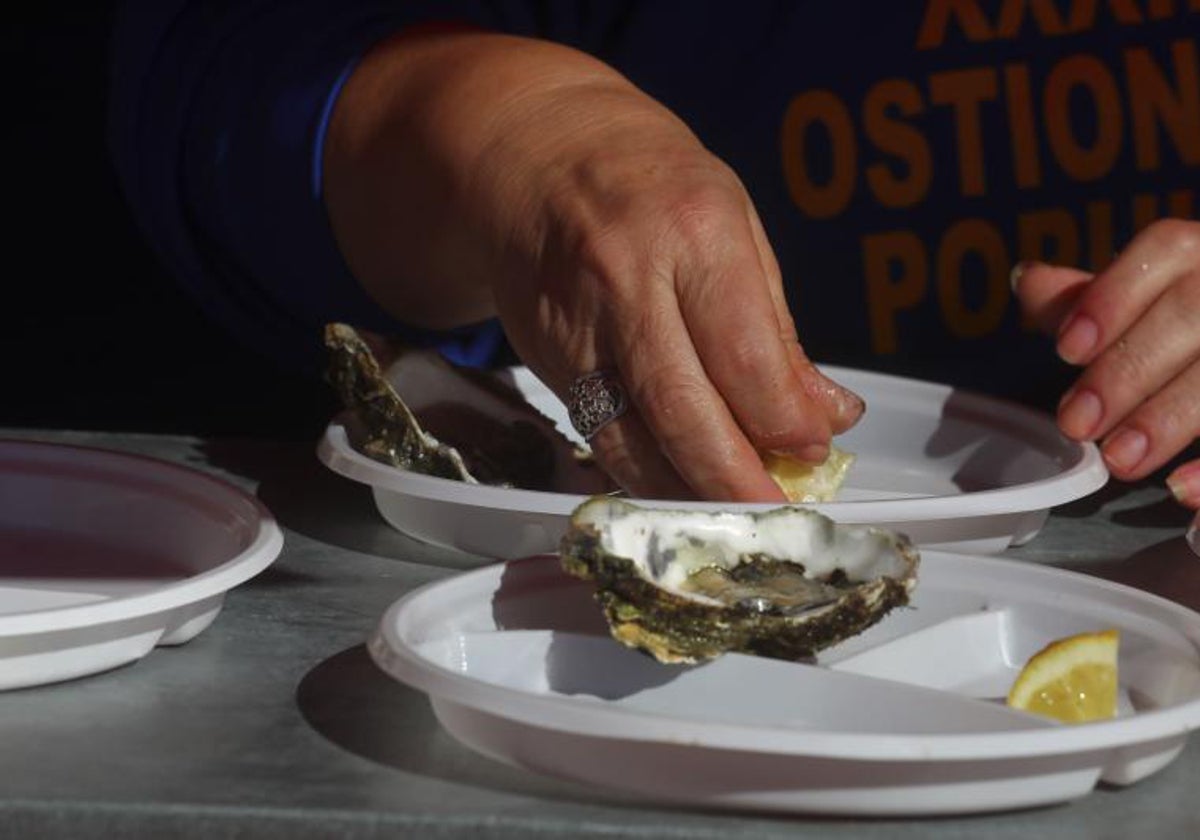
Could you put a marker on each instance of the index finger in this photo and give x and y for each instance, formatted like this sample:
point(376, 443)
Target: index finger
point(680, 407)
point(1048, 292)
point(731, 318)
point(1122, 293)
point(843, 408)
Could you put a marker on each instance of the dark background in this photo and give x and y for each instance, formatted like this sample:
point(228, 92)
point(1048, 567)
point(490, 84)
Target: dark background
point(96, 335)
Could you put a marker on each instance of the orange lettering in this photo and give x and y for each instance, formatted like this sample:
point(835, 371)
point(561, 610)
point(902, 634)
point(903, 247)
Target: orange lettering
point(896, 269)
point(1026, 160)
point(1083, 14)
point(1145, 210)
point(1152, 103)
point(809, 110)
point(1088, 74)
point(1045, 17)
point(965, 237)
point(1049, 236)
point(967, 15)
point(1145, 207)
point(899, 139)
point(1180, 204)
point(1100, 234)
point(964, 91)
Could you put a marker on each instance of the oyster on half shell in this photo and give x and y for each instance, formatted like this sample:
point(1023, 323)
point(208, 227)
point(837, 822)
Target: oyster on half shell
point(413, 409)
point(687, 586)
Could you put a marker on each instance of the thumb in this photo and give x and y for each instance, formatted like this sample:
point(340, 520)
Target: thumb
point(1047, 292)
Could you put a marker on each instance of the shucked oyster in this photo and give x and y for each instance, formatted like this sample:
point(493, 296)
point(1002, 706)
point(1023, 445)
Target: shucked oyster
point(687, 586)
point(415, 410)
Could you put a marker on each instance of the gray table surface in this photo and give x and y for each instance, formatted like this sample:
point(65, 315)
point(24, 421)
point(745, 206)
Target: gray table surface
point(275, 723)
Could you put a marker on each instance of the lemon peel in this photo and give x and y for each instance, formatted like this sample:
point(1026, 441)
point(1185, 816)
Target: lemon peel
point(1073, 680)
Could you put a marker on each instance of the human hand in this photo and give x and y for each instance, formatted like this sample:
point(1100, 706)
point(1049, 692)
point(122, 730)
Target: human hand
point(1134, 328)
point(606, 237)
point(650, 260)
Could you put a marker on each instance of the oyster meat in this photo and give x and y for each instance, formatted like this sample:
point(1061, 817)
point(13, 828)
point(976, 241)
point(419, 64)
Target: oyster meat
point(413, 409)
point(687, 586)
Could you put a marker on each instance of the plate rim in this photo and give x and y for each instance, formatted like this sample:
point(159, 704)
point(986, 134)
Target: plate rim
point(263, 548)
point(402, 662)
point(1086, 475)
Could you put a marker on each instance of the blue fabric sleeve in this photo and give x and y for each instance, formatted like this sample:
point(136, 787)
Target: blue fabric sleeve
point(217, 118)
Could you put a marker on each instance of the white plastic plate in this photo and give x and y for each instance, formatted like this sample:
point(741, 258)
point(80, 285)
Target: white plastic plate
point(104, 555)
point(905, 719)
point(953, 470)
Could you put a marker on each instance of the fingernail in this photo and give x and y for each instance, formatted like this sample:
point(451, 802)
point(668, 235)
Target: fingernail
point(1080, 413)
point(850, 405)
point(1126, 449)
point(1184, 484)
point(1077, 338)
point(1014, 276)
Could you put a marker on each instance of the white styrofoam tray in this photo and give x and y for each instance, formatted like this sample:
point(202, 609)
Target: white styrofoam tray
point(952, 469)
point(104, 555)
point(906, 719)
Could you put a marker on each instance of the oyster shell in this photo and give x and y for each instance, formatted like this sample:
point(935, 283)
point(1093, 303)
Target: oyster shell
point(452, 422)
point(686, 586)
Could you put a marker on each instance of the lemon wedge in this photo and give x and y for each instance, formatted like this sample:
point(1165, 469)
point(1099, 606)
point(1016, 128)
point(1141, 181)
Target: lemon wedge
point(805, 483)
point(1073, 680)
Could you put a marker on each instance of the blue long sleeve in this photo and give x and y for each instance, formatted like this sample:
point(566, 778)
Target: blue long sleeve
point(217, 119)
point(901, 160)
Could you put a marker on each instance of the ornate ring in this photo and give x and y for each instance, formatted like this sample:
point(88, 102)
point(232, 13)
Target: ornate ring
point(595, 400)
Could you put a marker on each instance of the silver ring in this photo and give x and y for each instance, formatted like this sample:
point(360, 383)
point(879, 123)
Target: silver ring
point(594, 400)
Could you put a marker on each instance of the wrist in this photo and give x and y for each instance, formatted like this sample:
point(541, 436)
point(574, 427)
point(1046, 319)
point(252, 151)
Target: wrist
point(449, 148)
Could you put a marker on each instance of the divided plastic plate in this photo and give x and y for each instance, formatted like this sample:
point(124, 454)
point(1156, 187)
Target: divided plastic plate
point(104, 555)
point(906, 719)
point(952, 469)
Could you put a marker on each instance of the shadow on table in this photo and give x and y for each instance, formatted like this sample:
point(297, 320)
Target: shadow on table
point(359, 708)
point(1090, 505)
point(306, 497)
point(1160, 510)
point(1169, 569)
point(350, 702)
point(1155, 508)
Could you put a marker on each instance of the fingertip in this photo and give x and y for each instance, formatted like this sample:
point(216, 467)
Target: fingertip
point(1125, 450)
point(1184, 484)
point(841, 406)
point(1047, 293)
point(1078, 338)
point(850, 408)
point(1080, 413)
point(1018, 272)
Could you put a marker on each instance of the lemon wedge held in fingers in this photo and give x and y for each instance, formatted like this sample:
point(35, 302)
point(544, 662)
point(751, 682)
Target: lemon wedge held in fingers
point(1073, 680)
point(806, 483)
